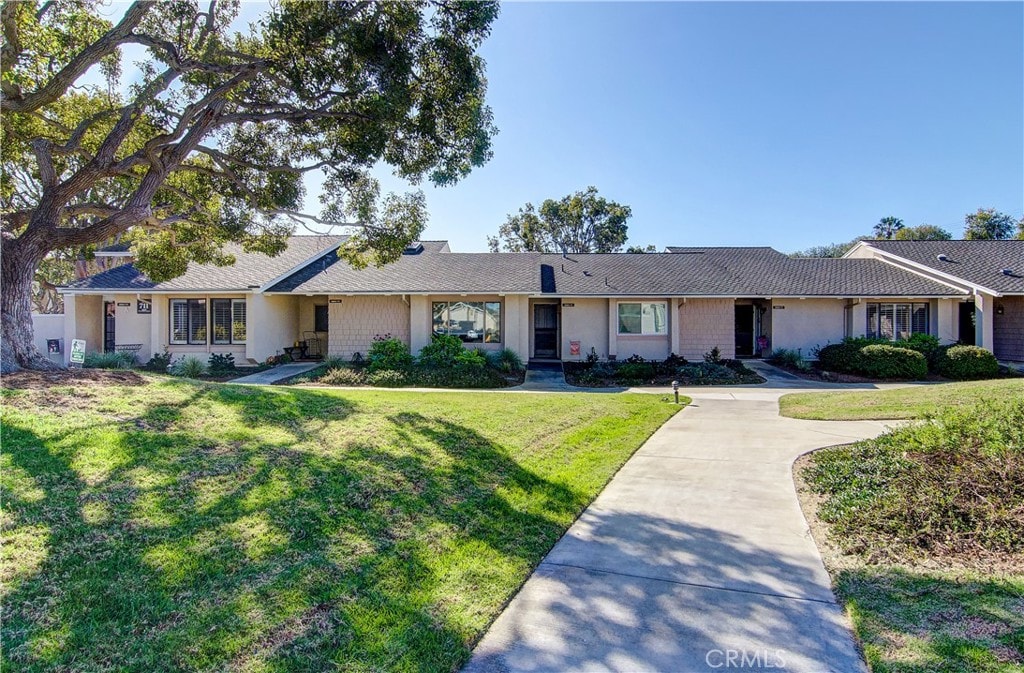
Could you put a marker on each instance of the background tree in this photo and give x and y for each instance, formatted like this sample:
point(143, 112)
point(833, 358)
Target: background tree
point(924, 232)
point(887, 227)
point(829, 250)
point(988, 224)
point(1020, 229)
point(581, 222)
point(640, 249)
point(209, 143)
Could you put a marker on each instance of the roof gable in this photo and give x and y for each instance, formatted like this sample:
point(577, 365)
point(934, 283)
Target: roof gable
point(980, 263)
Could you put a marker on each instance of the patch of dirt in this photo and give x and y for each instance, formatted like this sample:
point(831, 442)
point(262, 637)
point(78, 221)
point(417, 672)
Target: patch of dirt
point(33, 380)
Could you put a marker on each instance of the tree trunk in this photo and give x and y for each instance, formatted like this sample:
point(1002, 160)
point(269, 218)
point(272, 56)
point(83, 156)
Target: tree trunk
point(17, 267)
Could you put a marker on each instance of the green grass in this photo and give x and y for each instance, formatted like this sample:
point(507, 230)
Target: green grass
point(181, 525)
point(911, 620)
point(896, 403)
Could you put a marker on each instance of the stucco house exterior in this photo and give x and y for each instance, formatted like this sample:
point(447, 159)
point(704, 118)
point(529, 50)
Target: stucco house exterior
point(687, 300)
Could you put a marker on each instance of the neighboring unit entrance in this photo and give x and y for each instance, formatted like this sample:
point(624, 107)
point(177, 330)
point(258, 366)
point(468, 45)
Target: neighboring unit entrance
point(545, 330)
point(967, 323)
point(744, 330)
point(109, 311)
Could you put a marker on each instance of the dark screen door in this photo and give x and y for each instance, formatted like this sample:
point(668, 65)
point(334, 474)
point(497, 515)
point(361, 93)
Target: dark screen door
point(545, 330)
point(109, 311)
point(744, 330)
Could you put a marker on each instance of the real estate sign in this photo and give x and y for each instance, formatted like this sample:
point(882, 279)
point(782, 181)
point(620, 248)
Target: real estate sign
point(78, 351)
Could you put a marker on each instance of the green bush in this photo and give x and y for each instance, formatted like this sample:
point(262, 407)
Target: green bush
point(635, 371)
point(343, 376)
point(159, 362)
point(702, 371)
point(114, 360)
point(787, 357)
point(388, 353)
point(221, 363)
point(459, 376)
point(964, 363)
point(470, 357)
point(952, 483)
point(506, 360)
point(189, 367)
point(386, 378)
point(892, 362)
point(442, 351)
point(713, 356)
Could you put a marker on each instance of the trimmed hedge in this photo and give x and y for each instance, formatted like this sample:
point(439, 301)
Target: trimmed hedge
point(964, 363)
point(892, 362)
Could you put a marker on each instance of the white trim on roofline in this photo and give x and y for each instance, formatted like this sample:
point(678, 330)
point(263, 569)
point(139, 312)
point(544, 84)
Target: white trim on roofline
point(893, 259)
point(299, 267)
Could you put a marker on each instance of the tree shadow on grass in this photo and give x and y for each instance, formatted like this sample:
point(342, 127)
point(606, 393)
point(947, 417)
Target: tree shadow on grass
point(917, 621)
point(205, 550)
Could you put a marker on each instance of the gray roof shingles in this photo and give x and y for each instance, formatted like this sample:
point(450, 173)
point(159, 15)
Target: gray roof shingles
point(703, 272)
point(250, 269)
point(711, 271)
point(977, 262)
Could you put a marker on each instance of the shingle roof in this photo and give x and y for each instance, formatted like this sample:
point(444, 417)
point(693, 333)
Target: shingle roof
point(703, 272)
point(250, 269)
point(977, 262)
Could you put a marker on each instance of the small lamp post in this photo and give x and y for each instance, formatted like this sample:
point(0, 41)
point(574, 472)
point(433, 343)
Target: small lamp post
point(675, 389)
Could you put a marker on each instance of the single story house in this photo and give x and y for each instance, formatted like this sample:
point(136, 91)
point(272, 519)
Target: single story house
point(743, 300)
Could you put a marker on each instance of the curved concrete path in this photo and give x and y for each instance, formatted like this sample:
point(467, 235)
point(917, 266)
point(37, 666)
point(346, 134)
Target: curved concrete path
point(695, 556)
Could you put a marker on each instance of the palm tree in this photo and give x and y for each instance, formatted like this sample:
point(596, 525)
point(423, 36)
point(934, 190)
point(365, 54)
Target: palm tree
point(887, 227)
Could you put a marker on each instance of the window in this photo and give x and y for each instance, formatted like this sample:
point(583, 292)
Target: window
point(643, 317)
point(471, 321)
point(320, 318)
point(188, 321)
point(897, 321)
point(228, 318)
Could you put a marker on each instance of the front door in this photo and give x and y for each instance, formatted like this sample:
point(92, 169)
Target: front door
point(545, 330)
point(744, 330)
point(109, 311)
point(967, 323)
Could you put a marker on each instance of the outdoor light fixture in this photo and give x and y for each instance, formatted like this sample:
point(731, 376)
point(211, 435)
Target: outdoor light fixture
point(999, 309)
point(675, 389)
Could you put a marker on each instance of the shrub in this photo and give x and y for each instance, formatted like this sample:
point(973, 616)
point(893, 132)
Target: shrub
point(358, 360)
point(385, 378)
point(635, 371)
point(459, 376)
point(159, 362)
point(634, 359)
point(968, 362)
point(788, 357)
point(470, 357)
point(189, 367)
point(388, 353)
point(221, 363)
point(114, 360)
point(707, 371)
point(343, 376)
point(713, 356)
point(506, 360)
point(592, 356)
point(953, 483)
point(671, 364)
point(442, 351)
point(892, 362)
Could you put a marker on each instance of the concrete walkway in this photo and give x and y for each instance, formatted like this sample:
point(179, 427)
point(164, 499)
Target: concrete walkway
point(276, 374)
point(695, 552)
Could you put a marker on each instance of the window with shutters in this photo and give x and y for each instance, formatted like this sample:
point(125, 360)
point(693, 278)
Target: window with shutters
point(896, 321)
point(188, 321)
point(228, 319)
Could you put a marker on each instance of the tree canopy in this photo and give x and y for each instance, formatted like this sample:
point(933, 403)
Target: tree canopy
point(924, 232)
point(209, 143)
point(578, 223)
point(988, 223)
point(887, 227)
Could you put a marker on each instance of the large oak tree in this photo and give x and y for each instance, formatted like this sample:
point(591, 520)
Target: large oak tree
point(210, 141)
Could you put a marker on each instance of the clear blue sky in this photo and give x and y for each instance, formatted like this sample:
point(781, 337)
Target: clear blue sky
point(781, 124)
point(775, 124)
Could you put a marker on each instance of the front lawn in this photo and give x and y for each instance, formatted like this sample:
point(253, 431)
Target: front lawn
point(154, 523)
point(897, 403)
point(922, 530)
